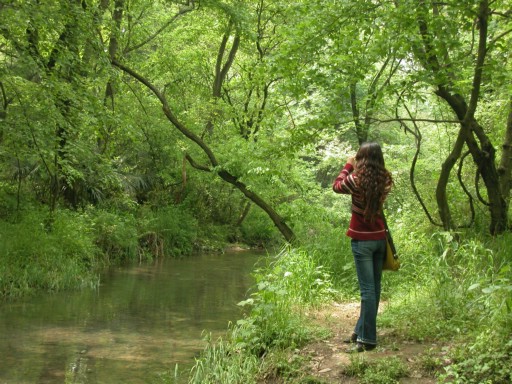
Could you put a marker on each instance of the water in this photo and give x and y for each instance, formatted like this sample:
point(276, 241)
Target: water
point(140, 322)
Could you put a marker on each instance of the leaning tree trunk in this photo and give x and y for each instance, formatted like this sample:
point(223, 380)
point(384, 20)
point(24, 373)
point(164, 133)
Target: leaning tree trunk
point(504, 170)
point(484, 156)
point(279, 222)
point(441, 196)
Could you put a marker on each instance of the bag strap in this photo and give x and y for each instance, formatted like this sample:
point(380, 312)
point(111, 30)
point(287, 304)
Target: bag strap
point(385, 222)
point(388, 236)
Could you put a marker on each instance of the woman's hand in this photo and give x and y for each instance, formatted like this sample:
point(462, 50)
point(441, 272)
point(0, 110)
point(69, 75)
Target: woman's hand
point(352, 161)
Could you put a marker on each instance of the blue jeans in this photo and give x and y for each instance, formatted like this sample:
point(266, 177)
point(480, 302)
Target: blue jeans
point(368, 257)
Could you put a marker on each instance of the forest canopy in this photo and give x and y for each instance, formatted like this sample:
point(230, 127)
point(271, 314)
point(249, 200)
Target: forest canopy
point(227, 110)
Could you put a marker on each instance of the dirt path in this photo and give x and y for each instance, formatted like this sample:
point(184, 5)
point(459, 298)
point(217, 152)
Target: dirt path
point(328, 360)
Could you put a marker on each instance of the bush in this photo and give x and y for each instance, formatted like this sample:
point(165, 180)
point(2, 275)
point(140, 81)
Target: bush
point(115, 234)
point(41, 254)
point(486, 360)
point(459, 291)
point(167, 231)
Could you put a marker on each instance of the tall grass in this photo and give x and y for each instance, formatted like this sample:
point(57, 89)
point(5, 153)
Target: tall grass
point(67, 249)
point(38, 255)
point(456, 289)
point(274, 321)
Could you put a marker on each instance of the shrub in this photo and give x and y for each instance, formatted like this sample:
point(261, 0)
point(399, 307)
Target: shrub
point(41, 254)
point(167, 231)
point(486, 360)
point(115, 234)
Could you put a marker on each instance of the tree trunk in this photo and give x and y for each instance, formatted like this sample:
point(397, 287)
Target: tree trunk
point(441, 197)
point(480, 147)
point(484, 156)
point(279, 222)
point(245, 211)
point(504, 169)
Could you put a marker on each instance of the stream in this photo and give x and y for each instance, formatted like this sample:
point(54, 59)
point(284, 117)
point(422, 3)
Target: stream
point(142, 321)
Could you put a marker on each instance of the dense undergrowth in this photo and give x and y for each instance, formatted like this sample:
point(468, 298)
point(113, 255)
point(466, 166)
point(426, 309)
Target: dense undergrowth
point(68, 249)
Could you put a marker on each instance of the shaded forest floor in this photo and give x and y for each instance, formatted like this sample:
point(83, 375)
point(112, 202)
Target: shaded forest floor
point(326, 361)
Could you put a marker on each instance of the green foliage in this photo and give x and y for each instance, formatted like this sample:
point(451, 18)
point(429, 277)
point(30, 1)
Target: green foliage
point(221, 363)
point(258, 230)
point(299, 274)
point(321, 222)
point(431, 362)
point(167, 231)
point(458, 291)
point(48, 254)
point(487, 359)
point(68, 249)
point(463, 285)
point(115, 235)
point(76, 132)
point(358, 365)
point(285, 366)
point(291, 280)
point(385, 371)
point(382, 371)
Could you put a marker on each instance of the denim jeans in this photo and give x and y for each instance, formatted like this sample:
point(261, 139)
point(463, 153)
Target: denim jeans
point(369, 257)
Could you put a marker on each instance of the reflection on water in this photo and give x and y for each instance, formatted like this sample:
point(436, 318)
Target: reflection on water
point(141, 322)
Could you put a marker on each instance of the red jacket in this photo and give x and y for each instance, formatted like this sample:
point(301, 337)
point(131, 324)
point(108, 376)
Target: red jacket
point(359, 228)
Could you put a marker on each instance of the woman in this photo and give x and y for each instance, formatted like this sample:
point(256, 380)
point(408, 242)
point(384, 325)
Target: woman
point(366, 179)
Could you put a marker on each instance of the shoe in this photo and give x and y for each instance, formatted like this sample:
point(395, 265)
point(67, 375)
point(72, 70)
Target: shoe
point(351, 340)
point(361, 347)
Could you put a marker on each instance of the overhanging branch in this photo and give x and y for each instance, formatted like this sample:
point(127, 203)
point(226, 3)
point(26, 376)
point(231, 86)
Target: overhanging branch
point(196, 165)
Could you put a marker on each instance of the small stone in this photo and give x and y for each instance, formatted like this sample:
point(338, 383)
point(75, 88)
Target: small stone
point(325, 370)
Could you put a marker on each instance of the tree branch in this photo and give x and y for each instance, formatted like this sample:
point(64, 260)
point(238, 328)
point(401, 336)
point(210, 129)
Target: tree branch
point(278, 221)
point(188, 8)
point(417, 135)
point(468, 194)
point(167, 111)
point(401, 119)
point(493, 41)
point(196, 165)
point(483, 15)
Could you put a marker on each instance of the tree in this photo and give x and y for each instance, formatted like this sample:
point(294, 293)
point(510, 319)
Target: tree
point(438, 50)
point(222, 68)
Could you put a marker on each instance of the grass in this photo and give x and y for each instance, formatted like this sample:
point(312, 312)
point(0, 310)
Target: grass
point(458, 293)
point(462, 298)
point(68, 249)
point(35, 257)
point(383, 371)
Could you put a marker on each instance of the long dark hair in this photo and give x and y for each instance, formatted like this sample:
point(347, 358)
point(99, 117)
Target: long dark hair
point(373, 178)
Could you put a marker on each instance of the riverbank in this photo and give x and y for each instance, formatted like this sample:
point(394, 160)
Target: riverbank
point(430, 328)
